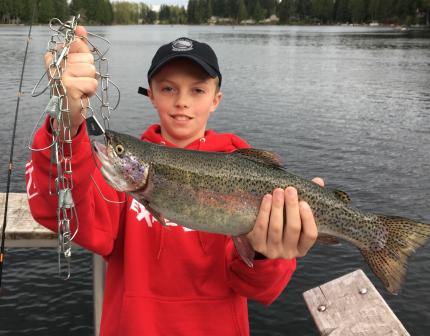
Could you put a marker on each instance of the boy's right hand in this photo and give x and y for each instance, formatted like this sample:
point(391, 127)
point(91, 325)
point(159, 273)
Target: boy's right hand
point(79, 78)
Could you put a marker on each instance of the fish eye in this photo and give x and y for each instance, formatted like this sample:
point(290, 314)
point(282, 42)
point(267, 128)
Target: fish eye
point(119, 149)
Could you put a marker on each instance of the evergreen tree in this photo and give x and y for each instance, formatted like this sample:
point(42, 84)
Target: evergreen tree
point(242, 13)
point(258, 12)
point(342, 12)
point(78, 7)
point(61, 9)
point(425, 6)
point(303, 8)
point(269, 6)
point(232, 8)
point(45, 11)
point(191, 9)
point(209, 9)
point(91, 7)
point(323, 10)
point(164, 14)
point(219, 8)
point(357, 8)
point(104, 12)
point(201, 12)
point(150, 17)
point(286, 9)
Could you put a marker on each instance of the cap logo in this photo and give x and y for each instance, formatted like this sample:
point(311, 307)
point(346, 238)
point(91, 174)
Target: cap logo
point(182, 45)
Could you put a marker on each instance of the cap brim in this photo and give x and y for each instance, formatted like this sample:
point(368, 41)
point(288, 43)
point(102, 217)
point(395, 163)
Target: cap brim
point(211, 72)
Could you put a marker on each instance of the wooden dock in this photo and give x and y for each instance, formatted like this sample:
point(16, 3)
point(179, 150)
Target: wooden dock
point(351, 306)
point(23, 231)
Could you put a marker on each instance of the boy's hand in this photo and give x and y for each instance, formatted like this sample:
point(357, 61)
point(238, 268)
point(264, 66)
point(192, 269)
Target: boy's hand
point(280, 233)
point(78, 78)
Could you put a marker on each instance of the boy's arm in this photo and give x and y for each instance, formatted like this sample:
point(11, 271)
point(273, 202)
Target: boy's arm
point(98, 219)
point(264, 282)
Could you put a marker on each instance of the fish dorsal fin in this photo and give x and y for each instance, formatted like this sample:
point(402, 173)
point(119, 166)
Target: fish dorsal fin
point(262, 156)
point(341, 195)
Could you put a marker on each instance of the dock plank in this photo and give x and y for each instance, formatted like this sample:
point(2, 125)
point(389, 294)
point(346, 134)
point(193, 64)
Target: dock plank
point(20, 223)
point(351, 306)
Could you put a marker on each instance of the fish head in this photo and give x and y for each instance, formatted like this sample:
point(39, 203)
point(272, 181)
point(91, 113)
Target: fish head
point(121, 161)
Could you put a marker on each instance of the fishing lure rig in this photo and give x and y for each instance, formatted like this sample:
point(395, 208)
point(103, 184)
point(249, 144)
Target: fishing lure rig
point(61, 170)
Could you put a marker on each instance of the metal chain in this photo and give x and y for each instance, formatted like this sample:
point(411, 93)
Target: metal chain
point(60, 122)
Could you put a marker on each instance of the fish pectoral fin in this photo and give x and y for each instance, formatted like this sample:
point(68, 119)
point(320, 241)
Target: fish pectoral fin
point(327, 239)
point(341, 195)
point(262, 156)
point(244, 249)
point(157, 215)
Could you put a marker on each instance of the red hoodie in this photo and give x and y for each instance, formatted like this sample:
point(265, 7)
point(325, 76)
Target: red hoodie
point(161, 280)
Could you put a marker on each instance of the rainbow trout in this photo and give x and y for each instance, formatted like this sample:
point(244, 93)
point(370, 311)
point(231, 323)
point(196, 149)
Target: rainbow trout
point(222, 192)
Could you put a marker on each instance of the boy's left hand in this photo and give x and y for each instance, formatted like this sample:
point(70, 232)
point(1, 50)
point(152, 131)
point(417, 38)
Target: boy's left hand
point(284, 232)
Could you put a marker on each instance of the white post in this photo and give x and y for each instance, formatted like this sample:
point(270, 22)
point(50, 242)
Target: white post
point(99, 269)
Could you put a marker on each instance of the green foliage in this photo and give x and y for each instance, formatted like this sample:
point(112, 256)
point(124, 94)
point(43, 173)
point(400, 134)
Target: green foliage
point(92, 11)
point(303, 8)
point(125, 12)
point(61, 9)
point(342, 10)
point(357, 11)
point(219, 8)
point(269, 6)
point(322, 10)
point(46, 10)
point(172, 14)
point(242, 13)
point(199, 11)
point(286, 9)
point(258, 12)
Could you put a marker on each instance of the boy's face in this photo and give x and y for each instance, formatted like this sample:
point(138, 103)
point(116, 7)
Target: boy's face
point(184, 96)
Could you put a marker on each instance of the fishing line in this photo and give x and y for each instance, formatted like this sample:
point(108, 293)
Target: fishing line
point(103, 196)
point(97, 186)
point(10, 168)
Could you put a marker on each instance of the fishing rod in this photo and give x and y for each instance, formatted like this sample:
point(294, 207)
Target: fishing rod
point(10, 167)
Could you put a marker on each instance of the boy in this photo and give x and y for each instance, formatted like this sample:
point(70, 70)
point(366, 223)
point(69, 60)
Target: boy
point(170, 280)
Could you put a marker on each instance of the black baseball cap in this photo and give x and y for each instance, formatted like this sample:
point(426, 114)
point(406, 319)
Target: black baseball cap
point(184, 47)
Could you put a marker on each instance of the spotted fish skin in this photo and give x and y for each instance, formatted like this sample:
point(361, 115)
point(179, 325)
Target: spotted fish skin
point(222, 192)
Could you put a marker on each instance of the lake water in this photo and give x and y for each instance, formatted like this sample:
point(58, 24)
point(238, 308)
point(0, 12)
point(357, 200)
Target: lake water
point(349, 104)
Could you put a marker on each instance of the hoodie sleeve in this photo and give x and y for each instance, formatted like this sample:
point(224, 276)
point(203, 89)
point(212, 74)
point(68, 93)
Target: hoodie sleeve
point(264, 282)
point(268, 278)
point(96, 233)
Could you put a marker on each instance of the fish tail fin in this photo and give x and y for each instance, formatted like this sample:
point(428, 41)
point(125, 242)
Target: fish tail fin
point(389, 253)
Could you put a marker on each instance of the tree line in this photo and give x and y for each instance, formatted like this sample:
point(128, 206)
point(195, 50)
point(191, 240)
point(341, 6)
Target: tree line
point(106, 12)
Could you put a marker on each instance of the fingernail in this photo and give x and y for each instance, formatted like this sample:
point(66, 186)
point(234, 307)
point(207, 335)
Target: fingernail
point(304, 206)
point(278, 194)
point(292, 192)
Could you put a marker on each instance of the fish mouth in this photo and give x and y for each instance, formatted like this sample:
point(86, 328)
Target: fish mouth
point(100, 151)
point(105, 154)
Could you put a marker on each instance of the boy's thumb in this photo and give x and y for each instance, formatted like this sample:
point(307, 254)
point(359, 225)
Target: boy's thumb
point(80, 45)
point(81, 31)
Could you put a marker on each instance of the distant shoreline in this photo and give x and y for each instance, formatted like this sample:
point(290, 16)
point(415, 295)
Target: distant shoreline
point(411, 27)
